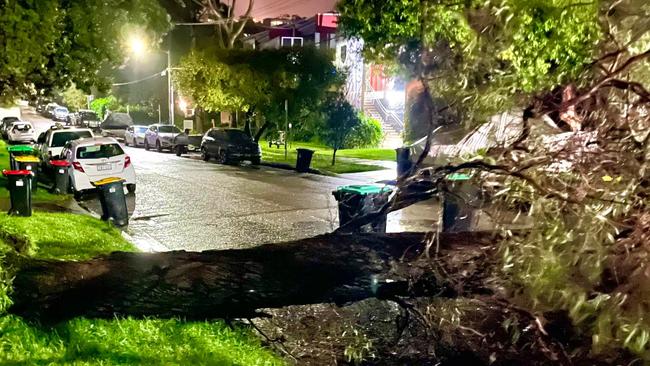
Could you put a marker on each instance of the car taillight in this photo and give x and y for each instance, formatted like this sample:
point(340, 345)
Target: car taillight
point(127, 162)
point(77, 166)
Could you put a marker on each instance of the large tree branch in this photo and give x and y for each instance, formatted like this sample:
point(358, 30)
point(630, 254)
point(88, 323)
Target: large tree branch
point(236, 283)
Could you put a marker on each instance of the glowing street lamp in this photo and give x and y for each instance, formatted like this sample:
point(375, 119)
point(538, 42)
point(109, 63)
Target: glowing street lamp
point(138, 47)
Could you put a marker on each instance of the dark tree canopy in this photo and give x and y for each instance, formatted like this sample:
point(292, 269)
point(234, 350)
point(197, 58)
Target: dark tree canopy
point(242, 80)
point(48, 44)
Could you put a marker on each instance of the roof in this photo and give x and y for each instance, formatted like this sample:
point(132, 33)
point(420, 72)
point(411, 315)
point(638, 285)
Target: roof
point(93, 141)
point(303, 27)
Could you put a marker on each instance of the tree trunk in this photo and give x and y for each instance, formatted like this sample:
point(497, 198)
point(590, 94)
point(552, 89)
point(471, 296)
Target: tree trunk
point(334, 157)
point(236, 283)
point(261, 131)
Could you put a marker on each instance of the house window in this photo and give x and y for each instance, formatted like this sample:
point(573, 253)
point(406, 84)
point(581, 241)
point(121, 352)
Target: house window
point(291, 42)
point(344, 53)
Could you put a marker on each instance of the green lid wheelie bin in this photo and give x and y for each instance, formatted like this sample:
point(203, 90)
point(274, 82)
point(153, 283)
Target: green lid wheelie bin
point(356, 201)
point(19, 183)
point(19, 150)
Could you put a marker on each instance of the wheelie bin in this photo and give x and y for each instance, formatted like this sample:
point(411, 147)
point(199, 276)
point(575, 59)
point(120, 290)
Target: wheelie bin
point(303, 160)
point(19, 183)
point(113, 201)
point(460, 204)
point(61, 178)
point(356, 201)
point(19, 150)
point(29, 162)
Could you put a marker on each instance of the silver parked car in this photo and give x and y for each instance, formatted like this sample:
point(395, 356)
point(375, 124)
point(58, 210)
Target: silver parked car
point(160, 136)
point(134, 136)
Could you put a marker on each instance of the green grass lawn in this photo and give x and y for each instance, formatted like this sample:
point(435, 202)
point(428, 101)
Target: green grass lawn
point(106, 342)
point(322, 159)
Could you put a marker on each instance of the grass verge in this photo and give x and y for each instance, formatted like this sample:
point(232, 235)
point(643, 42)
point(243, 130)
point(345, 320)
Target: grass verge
point(322, 159)
point(105, 342)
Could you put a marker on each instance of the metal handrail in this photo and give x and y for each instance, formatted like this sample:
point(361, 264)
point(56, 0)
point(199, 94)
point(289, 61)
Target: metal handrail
point(389, 116)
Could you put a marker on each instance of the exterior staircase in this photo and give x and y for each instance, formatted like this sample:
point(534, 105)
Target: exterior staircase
point(392, 129)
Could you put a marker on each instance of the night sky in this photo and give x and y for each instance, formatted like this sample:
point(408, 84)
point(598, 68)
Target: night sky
point(273, 8)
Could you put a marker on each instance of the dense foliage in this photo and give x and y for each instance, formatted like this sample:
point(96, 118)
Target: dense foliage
point(259, 81)
point(48, 44)
point(576, 175)
point(368, 133)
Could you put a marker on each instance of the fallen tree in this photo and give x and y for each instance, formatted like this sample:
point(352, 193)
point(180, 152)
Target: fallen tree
point(335, 268)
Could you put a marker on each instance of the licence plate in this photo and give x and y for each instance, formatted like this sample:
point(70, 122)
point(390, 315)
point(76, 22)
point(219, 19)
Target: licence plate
point(104, 167)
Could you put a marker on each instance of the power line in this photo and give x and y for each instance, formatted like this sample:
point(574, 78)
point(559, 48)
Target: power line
point(158, 74)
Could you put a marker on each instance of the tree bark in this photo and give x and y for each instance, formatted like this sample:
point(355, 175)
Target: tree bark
point(335, 268)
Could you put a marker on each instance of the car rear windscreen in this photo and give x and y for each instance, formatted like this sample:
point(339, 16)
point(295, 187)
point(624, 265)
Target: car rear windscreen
point(99, 151)
point(140, 129)
point(238, 136)
point(23, 127)
point(60, 138)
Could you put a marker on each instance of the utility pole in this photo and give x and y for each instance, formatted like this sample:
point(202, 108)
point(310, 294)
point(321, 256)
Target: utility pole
point(286, 124)
point(170, 86)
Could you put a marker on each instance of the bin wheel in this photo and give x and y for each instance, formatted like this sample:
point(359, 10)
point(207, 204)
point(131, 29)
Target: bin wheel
point(158, 146)
point(255, 161)
point(78, 195)
point(179, 150)
point(130, 188)
point(204, 155)
point(146, 145)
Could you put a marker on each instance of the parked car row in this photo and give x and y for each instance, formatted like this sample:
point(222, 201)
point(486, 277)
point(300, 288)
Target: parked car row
point(90, 158)
point(226, 145)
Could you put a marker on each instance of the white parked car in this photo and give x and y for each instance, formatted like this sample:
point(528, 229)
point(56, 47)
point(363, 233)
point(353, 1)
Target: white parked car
point(51, 142)
point(60, 114)
point(21, 131)
point(160, 136)
point(95, 159)
point(134, 136)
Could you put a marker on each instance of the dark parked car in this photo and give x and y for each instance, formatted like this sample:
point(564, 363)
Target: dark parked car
point(229, 146)
point(115, 125)
point(6, 123)
point(87, 118)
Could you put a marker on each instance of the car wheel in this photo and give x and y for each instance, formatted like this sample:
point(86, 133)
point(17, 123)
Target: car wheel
point(222, 158)
point(204, 154)
point(78, 195)
point(130, 188)
point(146, 145)
point(126, 142)
point(158, 146)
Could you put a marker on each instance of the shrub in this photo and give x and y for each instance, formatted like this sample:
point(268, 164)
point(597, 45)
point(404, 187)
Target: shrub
point(367, 134)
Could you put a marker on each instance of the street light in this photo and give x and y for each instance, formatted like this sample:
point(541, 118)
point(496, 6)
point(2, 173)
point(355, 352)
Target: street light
point(138, 47)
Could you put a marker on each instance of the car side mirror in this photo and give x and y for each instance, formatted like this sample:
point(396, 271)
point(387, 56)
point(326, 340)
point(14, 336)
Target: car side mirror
point(208, 138)
point(41, 138)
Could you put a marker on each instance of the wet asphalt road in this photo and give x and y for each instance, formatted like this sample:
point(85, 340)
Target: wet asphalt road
point(184, 203)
